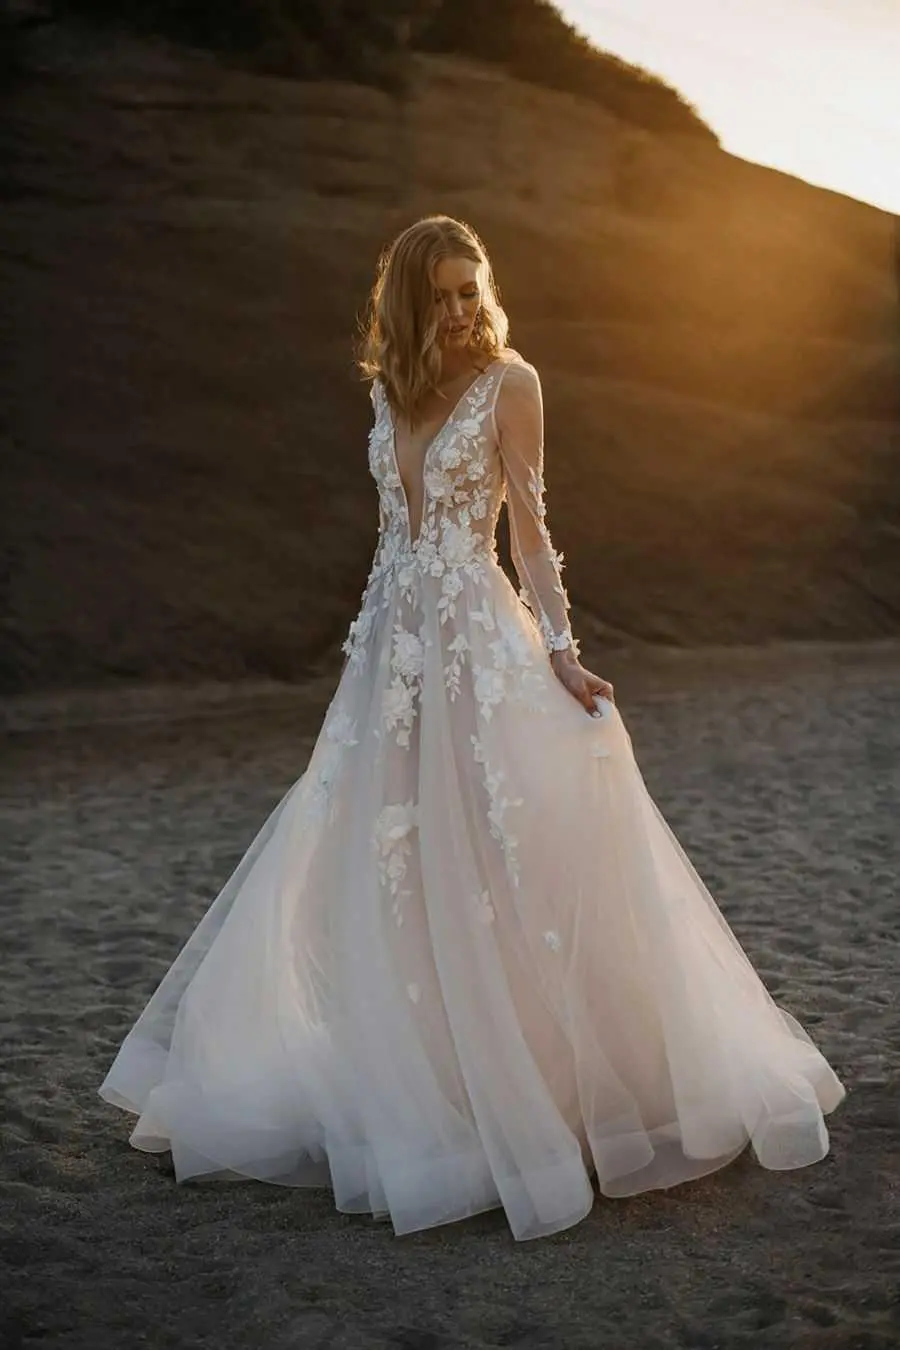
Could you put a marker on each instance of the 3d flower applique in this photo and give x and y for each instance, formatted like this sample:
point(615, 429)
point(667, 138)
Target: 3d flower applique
point(538, 489)
point(501, 656)
point(406, 581)
point(490, 687)
point(359, 629)
point(469, 429)
point(394, 823)
point(408, 658)
point(392, 843)
point(438, 484)
point(452, 671)
point(499, 804)
point(599, 751)
point(459, 543)
point(398, 709)
point(338, 736)
point(451, 455)
point(555, 642)
point(340, 728)
point(552, 939)
point(451, 586)
point(398, 703)
point(484, 616)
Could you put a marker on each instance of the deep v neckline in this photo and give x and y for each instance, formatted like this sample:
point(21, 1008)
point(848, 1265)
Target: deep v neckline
point(428, 448)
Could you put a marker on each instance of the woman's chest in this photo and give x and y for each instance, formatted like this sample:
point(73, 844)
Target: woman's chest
point(455, 461)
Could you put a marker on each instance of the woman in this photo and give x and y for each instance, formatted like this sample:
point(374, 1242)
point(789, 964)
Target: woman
point(465, 963)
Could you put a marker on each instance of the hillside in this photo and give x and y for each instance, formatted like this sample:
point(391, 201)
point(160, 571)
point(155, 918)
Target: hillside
point(183, 252)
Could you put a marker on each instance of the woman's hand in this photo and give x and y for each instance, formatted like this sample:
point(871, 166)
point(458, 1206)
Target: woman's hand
point(581, 683)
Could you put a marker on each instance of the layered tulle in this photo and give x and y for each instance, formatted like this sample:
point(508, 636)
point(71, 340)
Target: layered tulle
point(465, 963)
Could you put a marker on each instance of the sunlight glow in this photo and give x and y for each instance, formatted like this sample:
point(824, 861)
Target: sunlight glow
point(811, 87)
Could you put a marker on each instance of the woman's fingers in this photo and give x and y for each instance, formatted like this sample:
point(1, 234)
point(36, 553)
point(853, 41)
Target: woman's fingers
point(579, 687)
point(602, 687)
point(588, 693)
point(584, 685)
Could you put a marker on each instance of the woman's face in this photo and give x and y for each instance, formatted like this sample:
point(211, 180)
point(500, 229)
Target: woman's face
point(457, 297)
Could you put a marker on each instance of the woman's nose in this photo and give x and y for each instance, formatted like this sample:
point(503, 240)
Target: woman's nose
point(454, 307)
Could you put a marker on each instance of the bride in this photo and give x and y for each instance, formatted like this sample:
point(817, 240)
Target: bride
point(465, 964)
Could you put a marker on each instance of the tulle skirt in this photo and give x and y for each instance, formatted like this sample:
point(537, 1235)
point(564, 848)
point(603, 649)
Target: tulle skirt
point(465, 963)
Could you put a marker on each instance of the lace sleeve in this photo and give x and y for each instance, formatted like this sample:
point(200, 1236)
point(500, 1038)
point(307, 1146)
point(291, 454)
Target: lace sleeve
point(519, 418)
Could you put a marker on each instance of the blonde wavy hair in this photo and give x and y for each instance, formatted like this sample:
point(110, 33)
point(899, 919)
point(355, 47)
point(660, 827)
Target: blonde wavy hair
point(399, 332)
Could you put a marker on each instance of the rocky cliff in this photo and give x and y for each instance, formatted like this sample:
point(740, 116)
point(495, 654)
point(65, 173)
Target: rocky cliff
point(184, 249)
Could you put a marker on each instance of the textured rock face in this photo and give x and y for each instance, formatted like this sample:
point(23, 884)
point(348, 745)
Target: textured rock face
point(185, 248)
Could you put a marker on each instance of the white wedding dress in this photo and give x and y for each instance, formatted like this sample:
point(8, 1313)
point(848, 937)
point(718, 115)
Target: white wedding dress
point(465, 963)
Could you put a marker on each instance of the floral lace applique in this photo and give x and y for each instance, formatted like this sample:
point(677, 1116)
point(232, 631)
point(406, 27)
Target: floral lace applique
point(451, 587)
point(499, 805)
point(398, 705)
point(513, 672)
point(453, 467)
point(453, 670)
point(463, 487)
point(339, 734)
point(490, 685)
point(392, 843)
point(398, 709)
point(484, 616)
point(377, 595)
point(354, 643)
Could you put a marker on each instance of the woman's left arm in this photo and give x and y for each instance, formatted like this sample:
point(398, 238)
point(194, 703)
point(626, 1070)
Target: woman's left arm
point(519, 417)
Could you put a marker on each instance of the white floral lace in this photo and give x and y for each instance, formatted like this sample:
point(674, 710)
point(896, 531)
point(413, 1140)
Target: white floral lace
point(465, 479)
point(392, 844)
point(444, 582)
point(339, 733)
point(499, 805)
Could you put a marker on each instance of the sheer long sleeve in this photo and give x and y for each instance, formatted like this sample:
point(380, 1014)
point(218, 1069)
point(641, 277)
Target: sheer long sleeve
point(519, 416)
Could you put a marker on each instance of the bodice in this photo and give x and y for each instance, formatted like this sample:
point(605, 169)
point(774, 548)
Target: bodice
point(468, 471)
point(463, 484)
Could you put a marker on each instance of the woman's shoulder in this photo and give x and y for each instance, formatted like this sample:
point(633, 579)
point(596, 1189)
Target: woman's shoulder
point(516, 373)
point(509, 356)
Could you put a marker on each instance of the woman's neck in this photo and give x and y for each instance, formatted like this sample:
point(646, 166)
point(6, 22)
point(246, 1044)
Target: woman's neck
point(456, 364)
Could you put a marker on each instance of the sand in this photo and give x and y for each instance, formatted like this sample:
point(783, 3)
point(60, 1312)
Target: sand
point(123, 813)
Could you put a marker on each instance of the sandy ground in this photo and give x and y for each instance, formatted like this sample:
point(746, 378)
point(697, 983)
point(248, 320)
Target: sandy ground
point(122, 814)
